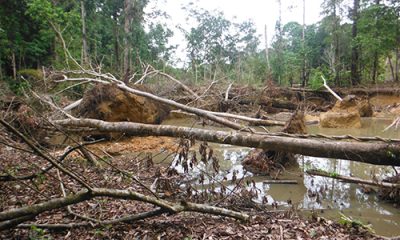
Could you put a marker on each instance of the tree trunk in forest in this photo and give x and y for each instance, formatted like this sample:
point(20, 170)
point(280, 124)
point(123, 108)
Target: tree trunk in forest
point(280, 46)
point(391, 68)
point(267, 52)
point(376, 56)
point(374, 153)
point(14, 65)
point(116, 45)
point(355, 75)
point(397, 63)
point(128, 11)
point(375, 67)
point(85, 57)
point(336, 56)
point(303, 45)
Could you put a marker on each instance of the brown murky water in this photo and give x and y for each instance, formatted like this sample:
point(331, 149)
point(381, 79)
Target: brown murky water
point(331, 196)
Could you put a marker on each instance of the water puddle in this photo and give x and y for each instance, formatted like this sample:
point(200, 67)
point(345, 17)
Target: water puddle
point(314, 192)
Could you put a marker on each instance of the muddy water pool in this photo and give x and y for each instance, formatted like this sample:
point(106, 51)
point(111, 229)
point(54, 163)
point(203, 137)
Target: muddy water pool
point(313, 192)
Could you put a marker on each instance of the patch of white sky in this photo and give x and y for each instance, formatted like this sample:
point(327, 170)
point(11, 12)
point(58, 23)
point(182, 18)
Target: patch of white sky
point(261, 12)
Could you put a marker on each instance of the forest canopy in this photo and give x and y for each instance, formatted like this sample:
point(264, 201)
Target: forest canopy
point(352, 44)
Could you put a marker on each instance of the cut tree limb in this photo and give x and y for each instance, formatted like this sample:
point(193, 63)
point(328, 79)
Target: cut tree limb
point(373, 153)
point(44, 155)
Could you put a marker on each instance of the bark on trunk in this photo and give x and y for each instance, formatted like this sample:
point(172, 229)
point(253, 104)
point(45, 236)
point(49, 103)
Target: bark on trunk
point(373, 153)
point(375, 68)
point(303, 43)
point(85, 59)
point(397, 63)
point(267, 51)
point(355, 76)
point(336, 62)
point(14, 65)
point(391, 68)
point(128, 8)
point(117, 64)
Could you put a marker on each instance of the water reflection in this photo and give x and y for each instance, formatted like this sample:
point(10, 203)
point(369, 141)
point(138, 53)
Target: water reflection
point(314, 192)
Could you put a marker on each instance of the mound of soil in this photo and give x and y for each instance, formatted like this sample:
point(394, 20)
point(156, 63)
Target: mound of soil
point(352, 104)
point(381, 101)
point(346, 113)
point(109, 103)
point(340, 120)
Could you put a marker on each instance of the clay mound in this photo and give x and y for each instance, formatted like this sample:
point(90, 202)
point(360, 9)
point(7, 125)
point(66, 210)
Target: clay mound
point(382, 101)
point(351, 104)
point(346, 113)
point(109, 103)
point(340, 120)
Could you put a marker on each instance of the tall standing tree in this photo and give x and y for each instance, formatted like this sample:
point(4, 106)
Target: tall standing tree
point(376, 54)
point(267, 52)
point(128, 12)
point(332, 9)
point(355, 75)
point(378, 33)
point(85, 54)
point(278, 60)
point(218, 45)
point(303, 46)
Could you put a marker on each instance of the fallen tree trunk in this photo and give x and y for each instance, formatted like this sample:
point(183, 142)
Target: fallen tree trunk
point(250, 120)
point(373, 153)
point(352, 179)
point(284, 104)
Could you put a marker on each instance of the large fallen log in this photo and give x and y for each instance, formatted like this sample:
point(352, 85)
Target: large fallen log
point(373, 153)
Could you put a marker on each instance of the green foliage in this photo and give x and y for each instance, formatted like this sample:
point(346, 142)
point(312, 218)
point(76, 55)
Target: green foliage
point(18, 86)
point(350, 222)
point(316, 81)
point(218, 45)
point(333, 174)
point(31, 74)
point(38, 234)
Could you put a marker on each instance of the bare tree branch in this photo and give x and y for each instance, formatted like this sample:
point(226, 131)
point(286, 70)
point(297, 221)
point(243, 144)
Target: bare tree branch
point(18, 215)
point(44, 155)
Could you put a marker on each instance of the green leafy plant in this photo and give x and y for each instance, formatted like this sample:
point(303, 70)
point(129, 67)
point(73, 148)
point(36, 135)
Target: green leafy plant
point(350, 222)
point(38, 234)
